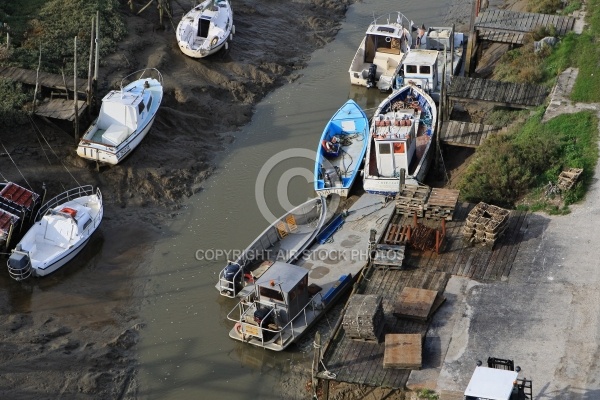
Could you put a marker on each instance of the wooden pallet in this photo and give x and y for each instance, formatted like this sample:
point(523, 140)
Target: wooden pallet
point(397, 234)
point(568, 178)
point(441, 203)
point(411, 199)
point(403, 350)
point(388, 256)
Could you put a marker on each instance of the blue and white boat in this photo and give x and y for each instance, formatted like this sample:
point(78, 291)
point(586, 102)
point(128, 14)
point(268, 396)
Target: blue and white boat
point(341, 150)
point(402, 132)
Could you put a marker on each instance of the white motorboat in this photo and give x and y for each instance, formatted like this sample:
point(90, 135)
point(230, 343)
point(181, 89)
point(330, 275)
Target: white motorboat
point(206, 28)
point(378, 58)
point(284, 240)
point(400, 143)
point(126, 116)
point(63, 226)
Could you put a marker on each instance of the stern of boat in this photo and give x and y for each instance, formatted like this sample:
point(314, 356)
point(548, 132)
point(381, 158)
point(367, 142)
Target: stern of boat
point(19, 264)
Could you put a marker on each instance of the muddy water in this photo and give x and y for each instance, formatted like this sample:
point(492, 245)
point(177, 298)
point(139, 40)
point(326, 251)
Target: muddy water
point(185, 351)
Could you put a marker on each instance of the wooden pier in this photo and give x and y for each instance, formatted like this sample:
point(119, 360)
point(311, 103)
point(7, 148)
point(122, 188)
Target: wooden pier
point(465, 134)
point(504, 94)
point(505, 26)
point(55, 105)
point(361, 363)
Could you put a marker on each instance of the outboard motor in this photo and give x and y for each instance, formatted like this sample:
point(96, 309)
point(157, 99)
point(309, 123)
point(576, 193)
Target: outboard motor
point(229, 274)
point(371, 76)
point(19, 265)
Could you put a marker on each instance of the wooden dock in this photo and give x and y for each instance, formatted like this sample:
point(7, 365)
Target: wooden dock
point(504, 94)
point(505, 26)
point(362, 362)
point(57, 85)
point(465, 134)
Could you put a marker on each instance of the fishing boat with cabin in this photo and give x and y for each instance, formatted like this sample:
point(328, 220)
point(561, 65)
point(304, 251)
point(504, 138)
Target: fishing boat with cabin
point(206, 29)
point(290, 297)
point(126, 116)
point(341, 150)
point(400, 143)
point(63, 227)
point(284, 240)
point(380, 54)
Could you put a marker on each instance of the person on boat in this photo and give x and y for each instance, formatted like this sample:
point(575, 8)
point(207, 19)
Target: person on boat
point(420, 34)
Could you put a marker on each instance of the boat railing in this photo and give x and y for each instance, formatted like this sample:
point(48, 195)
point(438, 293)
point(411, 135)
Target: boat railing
point(71, 194)
point(243, 307)
point(142, 73)
point(389, 19)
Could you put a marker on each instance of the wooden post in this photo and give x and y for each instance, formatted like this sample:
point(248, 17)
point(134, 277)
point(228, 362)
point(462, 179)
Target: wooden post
point(444, 226)
point(37, 80)
point(96, 60)
point(437, 241)
point(415, 219)
point(160, 12)
point(315, 366)
point(89, 82)
point(75, 106)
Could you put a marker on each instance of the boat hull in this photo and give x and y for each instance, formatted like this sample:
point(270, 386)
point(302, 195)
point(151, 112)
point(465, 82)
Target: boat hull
point(342, 147)
point(113, 155)
point(60, 261)
point(125, 118)
point(373, 181)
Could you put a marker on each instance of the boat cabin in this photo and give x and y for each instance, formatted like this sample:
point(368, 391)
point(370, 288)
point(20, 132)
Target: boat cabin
point(283, 288)
point(120, 114)
point(420, 67)
point(395, 142)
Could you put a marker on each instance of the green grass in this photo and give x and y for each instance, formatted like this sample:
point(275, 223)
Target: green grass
point(52, 25)
point(517, 165)
point(513, 169)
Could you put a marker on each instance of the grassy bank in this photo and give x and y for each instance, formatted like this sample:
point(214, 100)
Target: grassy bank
point(514, 168)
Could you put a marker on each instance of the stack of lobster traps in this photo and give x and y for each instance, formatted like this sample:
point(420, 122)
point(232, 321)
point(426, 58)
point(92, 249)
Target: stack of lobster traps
point(485, 224)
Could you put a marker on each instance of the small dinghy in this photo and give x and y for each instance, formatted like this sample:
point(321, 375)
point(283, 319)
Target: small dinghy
point(341, 150)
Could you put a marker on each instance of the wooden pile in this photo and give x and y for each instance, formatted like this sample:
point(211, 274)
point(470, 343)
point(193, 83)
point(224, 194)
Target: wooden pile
point(403, 350)
point(364, 318)
point(441, 203)
point(417, 304)
point(485, 224)
point(411, 200)
point(568, 178)
point(388, 256)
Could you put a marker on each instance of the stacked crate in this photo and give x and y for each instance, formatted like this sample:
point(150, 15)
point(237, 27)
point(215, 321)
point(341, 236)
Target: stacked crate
point(485, 224)
point(411, 200)
point(441, 204)
point(568, 178)
point(364, 318)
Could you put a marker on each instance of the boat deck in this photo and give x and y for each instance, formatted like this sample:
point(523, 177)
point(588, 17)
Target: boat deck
point(347, 250)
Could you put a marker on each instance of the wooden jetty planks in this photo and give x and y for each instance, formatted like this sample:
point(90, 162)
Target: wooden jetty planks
point(502, 93)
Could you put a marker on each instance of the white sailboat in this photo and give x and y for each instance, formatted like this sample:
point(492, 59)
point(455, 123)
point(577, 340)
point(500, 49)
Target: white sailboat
point(206, 28)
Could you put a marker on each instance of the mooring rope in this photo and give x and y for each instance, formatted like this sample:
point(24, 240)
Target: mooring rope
point(53, 152)
point(15, 164)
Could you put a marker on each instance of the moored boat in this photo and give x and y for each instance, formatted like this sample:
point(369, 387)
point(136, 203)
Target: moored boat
point(284, 240)
point(341, 149)
point(206, 28)
point(376, 62)
point(401, 135)
point(63, 226)
point(126, 116)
